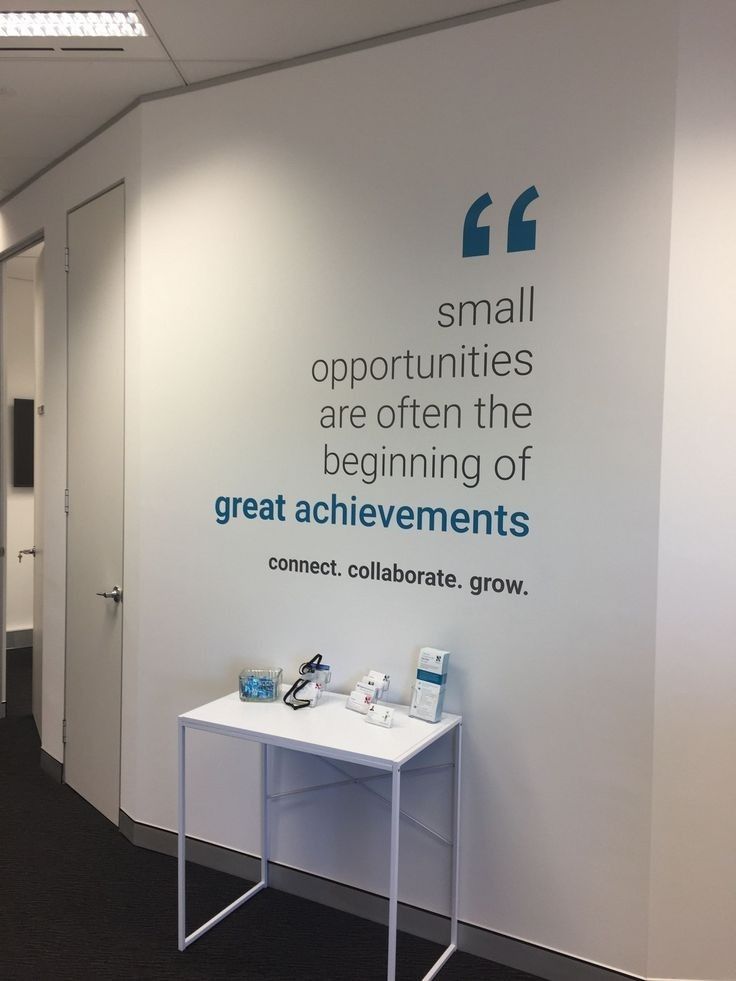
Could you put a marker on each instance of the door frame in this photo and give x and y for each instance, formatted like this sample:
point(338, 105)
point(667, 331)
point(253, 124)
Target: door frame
point(23, 245)
point(71, 211)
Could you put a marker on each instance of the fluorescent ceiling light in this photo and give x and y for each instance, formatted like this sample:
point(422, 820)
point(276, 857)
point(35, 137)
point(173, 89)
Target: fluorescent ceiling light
point(78, 23)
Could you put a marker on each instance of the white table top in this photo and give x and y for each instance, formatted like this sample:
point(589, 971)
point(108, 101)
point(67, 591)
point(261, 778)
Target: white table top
point(328, 729)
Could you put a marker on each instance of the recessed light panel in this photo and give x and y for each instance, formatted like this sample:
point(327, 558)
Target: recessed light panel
point(78, 23)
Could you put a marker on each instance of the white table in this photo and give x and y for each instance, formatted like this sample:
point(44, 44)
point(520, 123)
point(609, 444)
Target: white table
point(330, 731)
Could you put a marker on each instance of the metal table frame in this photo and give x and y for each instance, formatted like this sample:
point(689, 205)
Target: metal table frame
point(450, 724)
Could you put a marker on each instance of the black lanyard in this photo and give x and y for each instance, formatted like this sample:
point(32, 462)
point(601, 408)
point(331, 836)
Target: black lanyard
point(307, 669)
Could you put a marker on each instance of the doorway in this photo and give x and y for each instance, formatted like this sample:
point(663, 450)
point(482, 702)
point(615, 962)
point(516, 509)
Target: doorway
point(20, 484)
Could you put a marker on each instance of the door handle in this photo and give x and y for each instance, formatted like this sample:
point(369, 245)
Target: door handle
point(115, 594)
point(26, 551)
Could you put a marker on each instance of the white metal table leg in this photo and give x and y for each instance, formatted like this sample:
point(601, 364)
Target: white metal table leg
point(264, 814)
point(455, 870)
point(181, 843)
point(394, 872)
point(184, 940)
point(456, 838)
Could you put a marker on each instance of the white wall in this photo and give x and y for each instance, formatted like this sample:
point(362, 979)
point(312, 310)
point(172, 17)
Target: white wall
point(326, 202)
point(693, 901)
point(18, 302)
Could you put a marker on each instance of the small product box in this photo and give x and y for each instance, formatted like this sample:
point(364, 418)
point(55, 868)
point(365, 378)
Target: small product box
point(429, 688)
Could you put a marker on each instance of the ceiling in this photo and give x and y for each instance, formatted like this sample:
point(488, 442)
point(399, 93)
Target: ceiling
point(51, 98)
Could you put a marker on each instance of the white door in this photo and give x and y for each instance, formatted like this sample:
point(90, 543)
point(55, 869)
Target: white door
point(96, 328)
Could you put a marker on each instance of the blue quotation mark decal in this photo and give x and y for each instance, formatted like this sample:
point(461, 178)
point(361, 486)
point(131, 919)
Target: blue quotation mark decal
point(476, 239)
point(521, 233)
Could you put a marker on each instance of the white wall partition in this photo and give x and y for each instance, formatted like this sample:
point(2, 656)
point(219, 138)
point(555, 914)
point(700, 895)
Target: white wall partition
point(295, 248)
